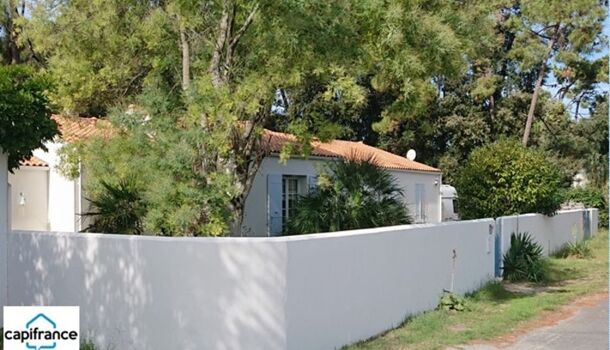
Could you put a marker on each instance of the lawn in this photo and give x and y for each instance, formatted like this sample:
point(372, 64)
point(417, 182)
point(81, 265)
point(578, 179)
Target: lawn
point(499, 308)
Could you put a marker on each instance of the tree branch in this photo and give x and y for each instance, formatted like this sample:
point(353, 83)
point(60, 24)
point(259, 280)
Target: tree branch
point(244, 27)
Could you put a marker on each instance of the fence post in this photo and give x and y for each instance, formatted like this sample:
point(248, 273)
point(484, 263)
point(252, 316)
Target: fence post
point(586, 223)
point(4, 219)
point(498, 248)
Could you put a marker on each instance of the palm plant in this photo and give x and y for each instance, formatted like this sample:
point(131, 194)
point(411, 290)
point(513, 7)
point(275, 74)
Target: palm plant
point(352, 194)
point(523, 261)
point(116, 209)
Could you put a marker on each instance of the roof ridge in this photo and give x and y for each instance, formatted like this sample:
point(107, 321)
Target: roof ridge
point(345, 149)
point(72, 129)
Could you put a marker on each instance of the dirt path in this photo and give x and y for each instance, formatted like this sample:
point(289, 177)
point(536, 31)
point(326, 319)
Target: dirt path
point(582, 324)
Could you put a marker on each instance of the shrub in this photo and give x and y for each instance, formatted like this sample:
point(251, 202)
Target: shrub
point(25, 122)
point(506, 178)
point(523, 261)
point(451, 301)
point(116, 209)
point(576, 249)
point(352, 195)
point(590, 197)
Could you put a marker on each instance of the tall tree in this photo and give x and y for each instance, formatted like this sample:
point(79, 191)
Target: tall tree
point(231, 58)
point(555, 33)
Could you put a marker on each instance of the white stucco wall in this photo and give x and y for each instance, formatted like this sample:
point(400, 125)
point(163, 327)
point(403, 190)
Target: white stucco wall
point(302, 292)
point(33, 184)
point(432, 184)
point(65, 195)
point(255, 218)
point(551, 232)
point(349, 286)
point(4, 229)
point(138, 292)
point(594, 215)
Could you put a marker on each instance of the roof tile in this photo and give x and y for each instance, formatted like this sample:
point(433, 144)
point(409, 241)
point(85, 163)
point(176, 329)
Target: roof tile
point(347, 150)
point(34, 161)
point(75, 129)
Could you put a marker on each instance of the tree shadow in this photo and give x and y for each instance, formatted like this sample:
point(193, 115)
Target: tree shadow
point(143, 293)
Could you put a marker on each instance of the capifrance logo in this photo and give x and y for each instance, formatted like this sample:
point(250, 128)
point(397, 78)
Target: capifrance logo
point(41, 328)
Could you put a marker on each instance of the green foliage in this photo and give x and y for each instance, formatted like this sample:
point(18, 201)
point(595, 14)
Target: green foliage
point(590, 197)
point(441, 77)
point(165, 170)
point(25, 122)
point(118, 208)
point(102, 52)
point(88, 345)
point(578, 249)
point(594, 150)
point(452, 302)
point(351, 195)
point(523, 261)
point(505, 178)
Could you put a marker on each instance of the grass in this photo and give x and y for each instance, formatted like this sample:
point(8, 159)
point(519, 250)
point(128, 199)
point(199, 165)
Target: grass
point(494, 310)
point(577, 249)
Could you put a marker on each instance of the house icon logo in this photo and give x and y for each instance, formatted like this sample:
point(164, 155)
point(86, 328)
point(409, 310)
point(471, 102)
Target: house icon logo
point(41, 328)
point(43, 321)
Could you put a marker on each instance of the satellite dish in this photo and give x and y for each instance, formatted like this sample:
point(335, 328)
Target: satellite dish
point(411, 154)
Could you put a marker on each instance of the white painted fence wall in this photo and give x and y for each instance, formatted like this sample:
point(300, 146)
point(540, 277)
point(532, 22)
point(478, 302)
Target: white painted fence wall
point(306, 292)
point(350, 286)
point(4, 228)
point(552, 233)
point(594, 223)
point(154, 292)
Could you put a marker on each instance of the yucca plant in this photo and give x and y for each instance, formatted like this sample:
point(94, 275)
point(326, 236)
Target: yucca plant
point(523, 261)
point(353, 194)
point(576, 249)
point(117, 208)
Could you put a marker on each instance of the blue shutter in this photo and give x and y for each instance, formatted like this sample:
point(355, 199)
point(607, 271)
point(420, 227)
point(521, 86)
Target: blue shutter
point(312, 181)
point(274, 204)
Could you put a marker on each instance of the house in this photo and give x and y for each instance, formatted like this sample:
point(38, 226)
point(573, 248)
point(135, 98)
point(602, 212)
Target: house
point(43, 199)
point(277, 185)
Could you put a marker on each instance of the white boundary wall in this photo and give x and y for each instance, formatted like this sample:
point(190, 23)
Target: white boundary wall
point(4, 229)
point(305, 292)
point(551, 232)
point(594, 217)
point(348, 287)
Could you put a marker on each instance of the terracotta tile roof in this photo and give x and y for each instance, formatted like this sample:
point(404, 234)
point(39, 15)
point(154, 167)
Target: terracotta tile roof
point(347, 149)
point(34, 161)
point(75, 128)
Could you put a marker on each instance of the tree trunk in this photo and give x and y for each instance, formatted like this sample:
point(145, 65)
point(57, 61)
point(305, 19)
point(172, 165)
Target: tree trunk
point(238, 220)
point(221, 42)
point(538, 86)
point(186, 59)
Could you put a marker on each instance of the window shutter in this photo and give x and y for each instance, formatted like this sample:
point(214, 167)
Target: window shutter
point(274, 204)
point(420, 205)
point(312, 182)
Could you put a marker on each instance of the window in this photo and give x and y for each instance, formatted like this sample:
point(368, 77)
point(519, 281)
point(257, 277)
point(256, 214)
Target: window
point(292, 188)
